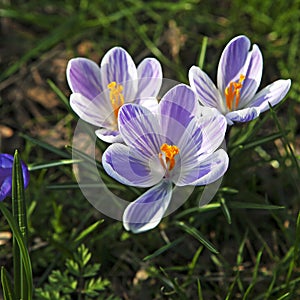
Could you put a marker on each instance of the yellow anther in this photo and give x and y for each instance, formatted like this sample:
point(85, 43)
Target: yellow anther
point(232, 93)
point(116, 97)
point(170, 151)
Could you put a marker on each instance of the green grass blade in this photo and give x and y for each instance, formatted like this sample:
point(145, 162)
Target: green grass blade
point(163, 249)
point(62, 162)
point(19, 214)
point(203, 52)
point(199, 289)
point(192, 265)
point(87, 231)
point(197, 235)
point(18, 196)
point(205, 208)
point(254, 277)
point(263, 140)
point(46, 146)
point(8, 293)
point(60, 94)
point(225, 210)
point(249, 205)
point(23, 249)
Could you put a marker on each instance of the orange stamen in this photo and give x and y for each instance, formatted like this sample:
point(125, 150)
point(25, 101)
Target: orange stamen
point(116, 97)
point(232, 93)
point(170, 151)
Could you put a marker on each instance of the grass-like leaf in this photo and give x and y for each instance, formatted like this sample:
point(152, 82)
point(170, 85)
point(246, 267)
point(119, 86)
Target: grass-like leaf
point(46, 146)
point(8, 293)
point(87, 231)
point(197, 235)
point(23, 249)
point(163, 249)
point(19, 214)
point(202, 52)
point(62, 162)
point(249, 205)
point(225, 210)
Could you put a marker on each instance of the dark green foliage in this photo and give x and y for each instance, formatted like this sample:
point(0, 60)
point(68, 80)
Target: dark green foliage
point(245, 243)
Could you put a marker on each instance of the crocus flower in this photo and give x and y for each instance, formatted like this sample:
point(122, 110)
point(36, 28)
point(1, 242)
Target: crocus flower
point(238, 78)
point(99, 92)
point(175, 145)
point(6, 165)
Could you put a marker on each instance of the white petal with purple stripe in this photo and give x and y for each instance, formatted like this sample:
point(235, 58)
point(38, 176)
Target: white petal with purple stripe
point(147, 211)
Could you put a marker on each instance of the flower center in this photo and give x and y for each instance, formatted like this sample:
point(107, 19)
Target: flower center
point(232, 93)
point(169, 152)
point(116, 97)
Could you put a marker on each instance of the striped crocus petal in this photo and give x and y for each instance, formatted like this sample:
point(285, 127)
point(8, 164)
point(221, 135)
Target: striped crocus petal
point(98, 112)
point(271, 94)
point(233, 61)
point(206, 169)
point(6, 165)
point(206, 90)
point(109, 136)
point(253, 73)
point(202, 137)
point(146, 212)
point(176, 110)
point(131, 167)
point(149, 78)
point(242, 115)
point(83, 76)
point(139, 129)
point(118, 66)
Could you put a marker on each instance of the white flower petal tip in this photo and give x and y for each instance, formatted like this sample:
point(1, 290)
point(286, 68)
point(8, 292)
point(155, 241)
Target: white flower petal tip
point(243, 115)
point(146, 212)
point(109, 136)
point(271, 94)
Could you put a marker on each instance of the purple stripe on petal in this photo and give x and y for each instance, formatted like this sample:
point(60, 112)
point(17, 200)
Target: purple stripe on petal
point(109, 136)
point(272, 94)
point(97, 112)
point(129, 167)
point(176, 109)
point(243, 115)
point(183, 97)
point(117, 65)
point(146, 212)
point(149, 77)
point(205, 88)
point(83, 76)
point(206, 171)
point(201, 138)
point(253, 76)
point(140, 129)
point(232, 61)
point(213, 130)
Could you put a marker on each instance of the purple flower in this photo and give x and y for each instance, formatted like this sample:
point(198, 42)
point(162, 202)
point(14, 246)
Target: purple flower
point(6, 165)
point(175, 145)
point(99, 92)
point(238, 78)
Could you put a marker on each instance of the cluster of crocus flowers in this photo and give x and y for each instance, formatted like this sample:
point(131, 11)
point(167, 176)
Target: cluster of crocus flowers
point(238, 78)
point(176, 142)
point(6, 166)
